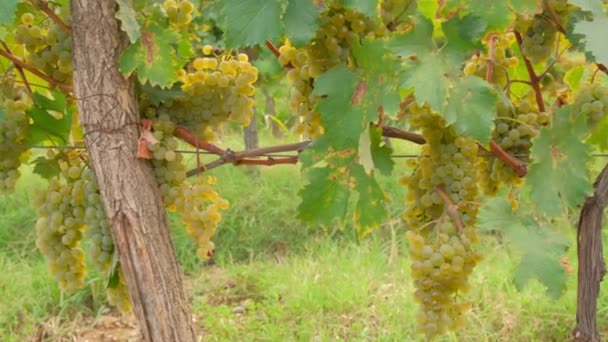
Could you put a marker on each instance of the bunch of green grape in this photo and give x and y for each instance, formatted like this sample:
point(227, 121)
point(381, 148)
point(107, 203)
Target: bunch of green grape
point(591, 100)
point(540, 33)
point(218, 89)
point(14, 126)
point(197, 203)
point(61, 209)
point(49, 49)
point(179, 12)
point(101, 245)
point(301, 75)
point(515, 128)
point(502, 62)
point(339, 28)
point(441, 242)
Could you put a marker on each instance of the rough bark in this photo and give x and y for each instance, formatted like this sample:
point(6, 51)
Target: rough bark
point(109, 114)
point(591, 266)
point(251, 135)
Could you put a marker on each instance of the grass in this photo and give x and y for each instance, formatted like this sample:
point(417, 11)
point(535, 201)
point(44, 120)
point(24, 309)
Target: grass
point(278, 279)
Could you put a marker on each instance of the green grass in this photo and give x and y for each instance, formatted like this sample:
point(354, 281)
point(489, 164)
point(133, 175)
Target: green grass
point(278, 279)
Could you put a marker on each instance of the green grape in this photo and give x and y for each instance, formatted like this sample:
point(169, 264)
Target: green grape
point(61, 223)
point(217, 88)
point(540, 34)
point(515, 129)
point(503, 61)
point(395, 14)
point(339, 28)
point(14, 128)
point(179, 13)
point(197, 203)
point(440, 245)
point(591, 100)
point(48, 47)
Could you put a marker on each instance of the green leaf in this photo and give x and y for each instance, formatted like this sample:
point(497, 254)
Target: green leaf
point(593, 31)
point(418, 41)
point(7, 11)
point(301, 21)
point(324, 198)
point(574, 76)
point(427, 77)
point(128, 18)
point(381, 153)
point(367, 7)
point(46, 168)
point(472, 108)
point(558, 174)
point(365, 151)
point(158, 95)
point(540, 246)
point(599, 134)
point(464, 34)
point(46, 126)
point(251, 22)
point(154, 56)
point(338, 116)
point(370, 210)
point(428, 8)
point(525, 7)
point(495, 13)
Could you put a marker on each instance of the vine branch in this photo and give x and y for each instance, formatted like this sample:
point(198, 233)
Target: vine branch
point(450, 208)
point(44, 7)
point(518, 166)
point(534, 80)
point(19, 69)
point(21, 64)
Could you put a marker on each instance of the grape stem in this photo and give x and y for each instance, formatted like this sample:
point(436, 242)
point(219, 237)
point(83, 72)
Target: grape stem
point(519, 167)
point(491, 58)
point(21, 64)
point(49, 13)
point(534, 80)
point(187, 136)
point(19, 69)
point(450, 208)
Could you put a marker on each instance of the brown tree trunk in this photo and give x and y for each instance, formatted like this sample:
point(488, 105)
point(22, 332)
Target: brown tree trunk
point(109, 114)
point(591, 266)
point(251, 135)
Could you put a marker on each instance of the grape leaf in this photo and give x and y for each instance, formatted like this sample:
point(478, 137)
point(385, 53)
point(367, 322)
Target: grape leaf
point(128, 19)
point(540, 246)
point(557, 174)
point(251, 22)
point(46, 168)
point(574, 76)
point(324, 198)
point(370, 210)
point(525, 7)
point(428, 8)
point(599, 135)
point(593, 31)
point(381, 153)
point(464, 34)
point(365, 151)
point(114, 273)
point(45, 126)
point(338, 116)
point(418, 41)
point(2, 113)
point(495, 13)
point(301, 20)
point(368, 7)
point(472, 108)
point(154, 56)
point(428, 78)
point(158, 95)
point(7, 11)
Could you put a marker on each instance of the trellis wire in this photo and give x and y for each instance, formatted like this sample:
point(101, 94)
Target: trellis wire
point(274, 155)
